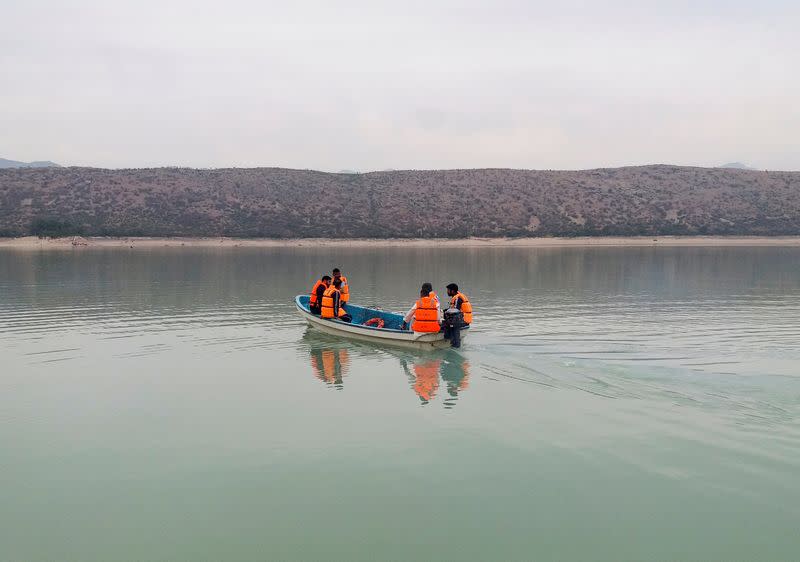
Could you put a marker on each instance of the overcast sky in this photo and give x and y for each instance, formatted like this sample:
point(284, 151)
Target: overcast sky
point(371, 85)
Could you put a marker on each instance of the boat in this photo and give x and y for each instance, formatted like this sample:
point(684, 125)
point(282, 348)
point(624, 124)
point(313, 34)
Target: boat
point(390, 334)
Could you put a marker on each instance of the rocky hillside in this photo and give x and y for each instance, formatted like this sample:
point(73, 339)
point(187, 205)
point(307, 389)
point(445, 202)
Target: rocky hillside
point(273, 202)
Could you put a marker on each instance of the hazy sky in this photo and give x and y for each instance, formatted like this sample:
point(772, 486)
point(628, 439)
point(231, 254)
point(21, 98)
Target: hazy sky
point(414, 84)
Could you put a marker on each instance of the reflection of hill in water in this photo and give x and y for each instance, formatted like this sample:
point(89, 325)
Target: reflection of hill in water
point(179, 280)
point(430, 374)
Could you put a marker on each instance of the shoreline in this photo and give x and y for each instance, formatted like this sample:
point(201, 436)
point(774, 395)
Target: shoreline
point(79, 242)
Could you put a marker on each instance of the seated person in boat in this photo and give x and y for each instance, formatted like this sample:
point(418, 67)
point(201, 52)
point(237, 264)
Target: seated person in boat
point(315, 301)
point(426, 312)
point(345, 290)
point(332, 305)
point(460, 301)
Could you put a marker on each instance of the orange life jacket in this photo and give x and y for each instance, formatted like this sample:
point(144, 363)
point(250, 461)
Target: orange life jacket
point(426, 317)
point(327, 303)
point(466, 306)
point(345, 290)
point(313, 300)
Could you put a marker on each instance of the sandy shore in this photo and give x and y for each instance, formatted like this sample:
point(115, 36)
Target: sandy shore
point(76, 243)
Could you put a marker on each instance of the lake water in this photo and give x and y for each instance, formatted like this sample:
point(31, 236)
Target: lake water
point(610, 404)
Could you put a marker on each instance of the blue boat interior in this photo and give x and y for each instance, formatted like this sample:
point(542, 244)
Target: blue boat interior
point(392, 321)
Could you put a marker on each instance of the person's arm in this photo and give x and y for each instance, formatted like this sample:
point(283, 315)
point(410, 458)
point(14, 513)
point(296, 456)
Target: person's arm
point(439, 313)
point(409, 315)
point(320, 291)
point(336, 295)
point(459, 302)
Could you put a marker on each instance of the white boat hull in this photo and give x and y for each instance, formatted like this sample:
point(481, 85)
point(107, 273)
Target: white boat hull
point(417, 340)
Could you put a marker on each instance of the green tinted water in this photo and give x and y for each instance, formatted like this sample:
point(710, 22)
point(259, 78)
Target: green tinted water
point(610, 404)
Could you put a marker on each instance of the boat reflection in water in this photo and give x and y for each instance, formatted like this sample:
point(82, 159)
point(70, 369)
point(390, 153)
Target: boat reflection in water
point(425, 374)
point(430, 374)
point(330, 365)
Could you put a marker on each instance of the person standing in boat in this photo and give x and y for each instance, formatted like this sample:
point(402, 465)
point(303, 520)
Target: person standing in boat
point(426, 312)
point(345, 290)
point(315, 300)
point(460, 301)
point(332, 303)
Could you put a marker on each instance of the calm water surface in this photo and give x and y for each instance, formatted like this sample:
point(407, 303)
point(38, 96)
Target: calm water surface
point(610, 404)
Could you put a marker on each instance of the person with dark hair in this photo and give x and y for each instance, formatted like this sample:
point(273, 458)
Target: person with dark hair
point(345, 290)
point(426, 312)
point(332, 303)
point(460, 301)
point(315, 300)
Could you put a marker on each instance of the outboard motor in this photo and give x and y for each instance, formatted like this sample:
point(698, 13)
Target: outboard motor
point(453, 320)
